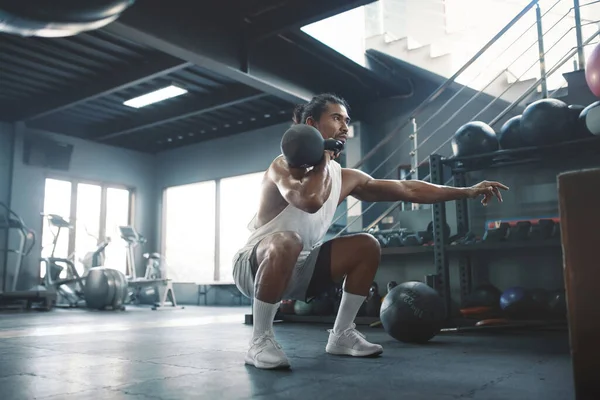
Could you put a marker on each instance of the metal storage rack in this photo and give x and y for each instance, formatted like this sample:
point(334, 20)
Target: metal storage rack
point(459, 168)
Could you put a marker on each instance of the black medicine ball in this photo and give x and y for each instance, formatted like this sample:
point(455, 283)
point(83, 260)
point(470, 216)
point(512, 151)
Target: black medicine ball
point(474, 138)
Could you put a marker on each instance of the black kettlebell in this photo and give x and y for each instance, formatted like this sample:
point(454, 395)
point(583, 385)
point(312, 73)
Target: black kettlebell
point(303, 146)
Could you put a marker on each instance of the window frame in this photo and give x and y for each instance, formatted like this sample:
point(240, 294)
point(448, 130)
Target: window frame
point(163, 221)
point(104, 186)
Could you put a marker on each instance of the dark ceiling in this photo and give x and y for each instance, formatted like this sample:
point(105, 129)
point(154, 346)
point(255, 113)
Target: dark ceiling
point(245, 65)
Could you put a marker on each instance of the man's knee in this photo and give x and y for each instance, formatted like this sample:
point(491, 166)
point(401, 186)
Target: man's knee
point(369, 246)
point(281, 249)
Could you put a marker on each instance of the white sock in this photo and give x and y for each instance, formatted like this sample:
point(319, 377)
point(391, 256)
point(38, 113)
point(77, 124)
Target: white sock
point(349, 307)
point(262, 316)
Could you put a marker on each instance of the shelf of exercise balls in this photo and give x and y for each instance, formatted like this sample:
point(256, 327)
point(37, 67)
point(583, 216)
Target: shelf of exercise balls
point(506, 245)
point(525, 155)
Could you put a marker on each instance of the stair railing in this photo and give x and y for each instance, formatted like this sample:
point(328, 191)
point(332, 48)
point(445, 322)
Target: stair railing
point(431, 99)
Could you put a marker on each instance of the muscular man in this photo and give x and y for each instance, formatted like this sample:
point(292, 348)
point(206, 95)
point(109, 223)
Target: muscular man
point(285, 258)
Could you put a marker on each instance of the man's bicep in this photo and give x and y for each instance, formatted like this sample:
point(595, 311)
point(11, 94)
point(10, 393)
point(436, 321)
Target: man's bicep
point(366, 188)
point(354, 183)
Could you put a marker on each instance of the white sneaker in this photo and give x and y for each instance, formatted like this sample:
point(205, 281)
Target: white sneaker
point(266, 353)
point(351, 343)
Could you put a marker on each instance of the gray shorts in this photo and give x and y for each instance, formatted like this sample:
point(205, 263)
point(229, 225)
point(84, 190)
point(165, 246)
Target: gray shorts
point(300, 280)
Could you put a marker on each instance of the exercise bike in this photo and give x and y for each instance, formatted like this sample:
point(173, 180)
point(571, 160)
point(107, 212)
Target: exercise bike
point(71, 287)
point(60, 273)
point(155, 272)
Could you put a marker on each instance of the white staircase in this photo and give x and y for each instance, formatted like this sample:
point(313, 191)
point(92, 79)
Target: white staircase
point(440, 36)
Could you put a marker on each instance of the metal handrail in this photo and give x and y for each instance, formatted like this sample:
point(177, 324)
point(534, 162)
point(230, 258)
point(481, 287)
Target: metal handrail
point(419, 109)
point(441, 89)
point(398, 148)
point(496, 77)
point(451, 80)
point(556, 67)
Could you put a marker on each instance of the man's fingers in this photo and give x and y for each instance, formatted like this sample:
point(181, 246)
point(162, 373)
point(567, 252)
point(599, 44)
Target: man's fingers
point(498, 194)
point(499, 185)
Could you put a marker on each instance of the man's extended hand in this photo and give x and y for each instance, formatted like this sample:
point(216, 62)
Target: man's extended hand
point(488, 190)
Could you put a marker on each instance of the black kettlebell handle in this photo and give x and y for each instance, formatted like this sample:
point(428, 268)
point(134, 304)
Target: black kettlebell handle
point(334, 145)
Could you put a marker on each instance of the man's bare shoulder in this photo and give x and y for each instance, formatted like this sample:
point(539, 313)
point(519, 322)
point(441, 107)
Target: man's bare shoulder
point(353, 173)
point(277, 168)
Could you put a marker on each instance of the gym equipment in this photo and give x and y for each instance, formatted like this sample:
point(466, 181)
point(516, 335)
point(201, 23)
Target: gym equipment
point(498, 234)
point(98, 287)
point(474, 138)
point(539, 301)
point(412, 312)
point(592, 71)
point(447, 231)
point(287, 307)
point(69, 288)
point(577, 124)
point(58, 18)
point(303, 146)
point(520, 231)
point(11, 224)
point(484, 295)
point(543, 230)
point(303, 308)
point(155, 275)
point(546, 121)
point(589, 120)
point(373, 301)
point(510, 136)
point(516, 302)
point(323, 305)
point(105, 288)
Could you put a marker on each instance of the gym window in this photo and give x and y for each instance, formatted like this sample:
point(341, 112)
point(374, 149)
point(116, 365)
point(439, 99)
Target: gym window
point(205, 224)
point(95, 211)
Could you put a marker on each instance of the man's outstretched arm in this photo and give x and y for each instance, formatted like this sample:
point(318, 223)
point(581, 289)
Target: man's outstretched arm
point(365, 188)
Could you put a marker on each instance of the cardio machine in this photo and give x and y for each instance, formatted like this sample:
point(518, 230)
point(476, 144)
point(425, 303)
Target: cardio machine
point(155, 274)
point(12, 227)
point(60, 273)
point(70, 287)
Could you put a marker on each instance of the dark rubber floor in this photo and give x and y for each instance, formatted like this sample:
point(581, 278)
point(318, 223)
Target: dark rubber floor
point(198, 353)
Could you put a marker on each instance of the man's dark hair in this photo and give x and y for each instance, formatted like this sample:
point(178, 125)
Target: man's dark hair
point(316, 107)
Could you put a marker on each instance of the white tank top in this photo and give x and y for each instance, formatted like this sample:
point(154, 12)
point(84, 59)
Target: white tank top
point(311, 227)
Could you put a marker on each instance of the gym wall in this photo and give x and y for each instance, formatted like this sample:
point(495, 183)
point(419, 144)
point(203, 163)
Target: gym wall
point(6, 134)
point(96, 162)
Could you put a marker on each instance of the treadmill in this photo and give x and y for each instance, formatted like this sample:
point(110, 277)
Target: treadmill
point(13, 229)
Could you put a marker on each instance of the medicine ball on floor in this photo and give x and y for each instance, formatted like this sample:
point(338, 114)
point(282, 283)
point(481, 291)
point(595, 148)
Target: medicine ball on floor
point(516, 302)
point(412, 312)
point(545, 122)
point(303, 308)
point(58, 18)
point(485, 295)
point(474, 138)
point(105, 288)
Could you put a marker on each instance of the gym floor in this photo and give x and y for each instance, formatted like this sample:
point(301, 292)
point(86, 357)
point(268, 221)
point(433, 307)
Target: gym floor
point(198, 352)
